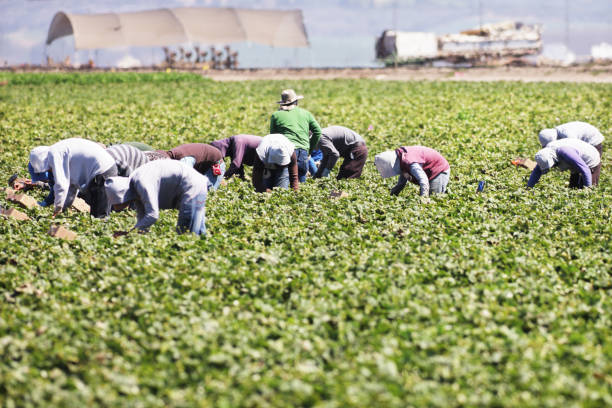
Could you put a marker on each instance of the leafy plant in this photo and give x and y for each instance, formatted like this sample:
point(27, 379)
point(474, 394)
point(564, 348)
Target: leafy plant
point(498, 298)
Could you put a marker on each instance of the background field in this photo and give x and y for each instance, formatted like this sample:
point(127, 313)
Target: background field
point(497, 299)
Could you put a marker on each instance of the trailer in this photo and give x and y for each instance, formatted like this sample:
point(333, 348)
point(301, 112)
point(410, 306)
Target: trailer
point(488, 45)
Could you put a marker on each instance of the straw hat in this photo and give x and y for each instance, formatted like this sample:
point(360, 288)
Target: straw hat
point(288, 96)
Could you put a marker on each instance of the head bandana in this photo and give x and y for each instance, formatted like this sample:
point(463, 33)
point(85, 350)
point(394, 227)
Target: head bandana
point(546, 136)
point(546, 159)
point(118, 190)
point(387, 164)
point(39, 159)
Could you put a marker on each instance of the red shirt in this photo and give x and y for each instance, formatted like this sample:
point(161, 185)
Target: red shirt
point(433, 163)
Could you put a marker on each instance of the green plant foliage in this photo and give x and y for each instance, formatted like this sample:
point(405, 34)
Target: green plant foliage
point(493, 299)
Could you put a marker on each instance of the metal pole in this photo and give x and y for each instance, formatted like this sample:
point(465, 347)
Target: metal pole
point(480, 15)
point(567, 25)
point(395, 29)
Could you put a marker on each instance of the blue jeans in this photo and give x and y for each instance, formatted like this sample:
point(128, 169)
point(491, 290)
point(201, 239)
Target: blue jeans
point(192, 214)
point(278, 177)
point(302, 162)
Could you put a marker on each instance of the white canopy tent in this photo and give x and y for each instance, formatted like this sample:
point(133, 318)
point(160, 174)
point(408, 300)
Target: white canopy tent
point(162, 27)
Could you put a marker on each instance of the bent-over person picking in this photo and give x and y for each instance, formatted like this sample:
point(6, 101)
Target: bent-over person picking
point(159, 185)
point(420, 165)
point(339, 141)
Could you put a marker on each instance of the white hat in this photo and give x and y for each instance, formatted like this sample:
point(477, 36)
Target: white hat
point(275, 149)
point(387, 164)
point(546, 158)
point(118, 190)
point(547, 135)
point(39, 159)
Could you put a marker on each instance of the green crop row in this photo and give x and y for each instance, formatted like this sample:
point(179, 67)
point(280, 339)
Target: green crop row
point(493, 299)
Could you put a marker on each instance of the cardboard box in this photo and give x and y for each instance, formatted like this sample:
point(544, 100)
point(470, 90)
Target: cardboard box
point(22, 199)
point(338, 194)
point(80, 205)
point(525, 163)
point(14, 213)
point(58, 231)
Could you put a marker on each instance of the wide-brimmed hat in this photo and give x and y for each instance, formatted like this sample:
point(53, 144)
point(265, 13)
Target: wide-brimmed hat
point(288, 96)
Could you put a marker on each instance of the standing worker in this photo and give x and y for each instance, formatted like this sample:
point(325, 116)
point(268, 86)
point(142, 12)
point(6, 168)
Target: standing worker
point(420, 165)
point(339, 141)
point(296, 124)
point(158, 185)
point(275, 164)
point(240, 149)
point(204, 158)
point(580, 158)
point(76, 164)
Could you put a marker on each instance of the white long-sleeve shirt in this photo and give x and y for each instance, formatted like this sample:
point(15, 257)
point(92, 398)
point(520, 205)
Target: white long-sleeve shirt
point(74, 163)
point(580, 130)
point(164, 184)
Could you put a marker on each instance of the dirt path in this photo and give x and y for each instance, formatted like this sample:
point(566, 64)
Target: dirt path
point(525, 74)
point(600, 74)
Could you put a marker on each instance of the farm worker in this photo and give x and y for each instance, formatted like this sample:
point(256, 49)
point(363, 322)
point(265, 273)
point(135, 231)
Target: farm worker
point(160, 185)
point(127, 158)
point(206, 159)
point(297, 125)
point(76, 164)
point(275, 164)
point(339, 141)
point(240, 149)
point(418, 164)
point(580, 158)
point(573, 130)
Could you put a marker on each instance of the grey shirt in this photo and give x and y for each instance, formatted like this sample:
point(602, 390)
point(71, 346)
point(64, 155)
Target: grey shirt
point(336, 141)
point(163, 184)
point(127, 158)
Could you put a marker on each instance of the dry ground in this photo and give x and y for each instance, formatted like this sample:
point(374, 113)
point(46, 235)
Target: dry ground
point(601, 74)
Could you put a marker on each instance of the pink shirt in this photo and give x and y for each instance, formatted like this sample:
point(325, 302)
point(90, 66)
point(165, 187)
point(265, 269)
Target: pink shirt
point(433, 163)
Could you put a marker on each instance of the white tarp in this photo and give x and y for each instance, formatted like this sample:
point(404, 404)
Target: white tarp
point(204, 25)
point(416, 45)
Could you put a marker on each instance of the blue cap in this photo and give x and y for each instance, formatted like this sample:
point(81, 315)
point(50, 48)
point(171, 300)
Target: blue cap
point(43, 176)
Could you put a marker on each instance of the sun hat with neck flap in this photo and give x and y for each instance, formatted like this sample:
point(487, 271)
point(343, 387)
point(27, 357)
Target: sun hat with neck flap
point(118, 190)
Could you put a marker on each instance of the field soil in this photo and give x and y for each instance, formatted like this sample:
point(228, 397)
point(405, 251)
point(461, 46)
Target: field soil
point(584, 73)
point(602, 74)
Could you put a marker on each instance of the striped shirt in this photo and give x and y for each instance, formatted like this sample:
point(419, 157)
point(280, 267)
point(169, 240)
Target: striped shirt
point(127, 157)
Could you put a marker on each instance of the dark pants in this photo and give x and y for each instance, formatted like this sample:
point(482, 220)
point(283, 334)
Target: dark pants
point(95, 194)
point(576, 179)
point(353, 163)
point(302, 163)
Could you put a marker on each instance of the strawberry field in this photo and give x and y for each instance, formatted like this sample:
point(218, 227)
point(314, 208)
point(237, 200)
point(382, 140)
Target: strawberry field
point(499, 298)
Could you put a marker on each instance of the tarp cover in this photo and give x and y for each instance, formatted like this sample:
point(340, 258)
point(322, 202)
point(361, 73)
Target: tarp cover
point(204, 25)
